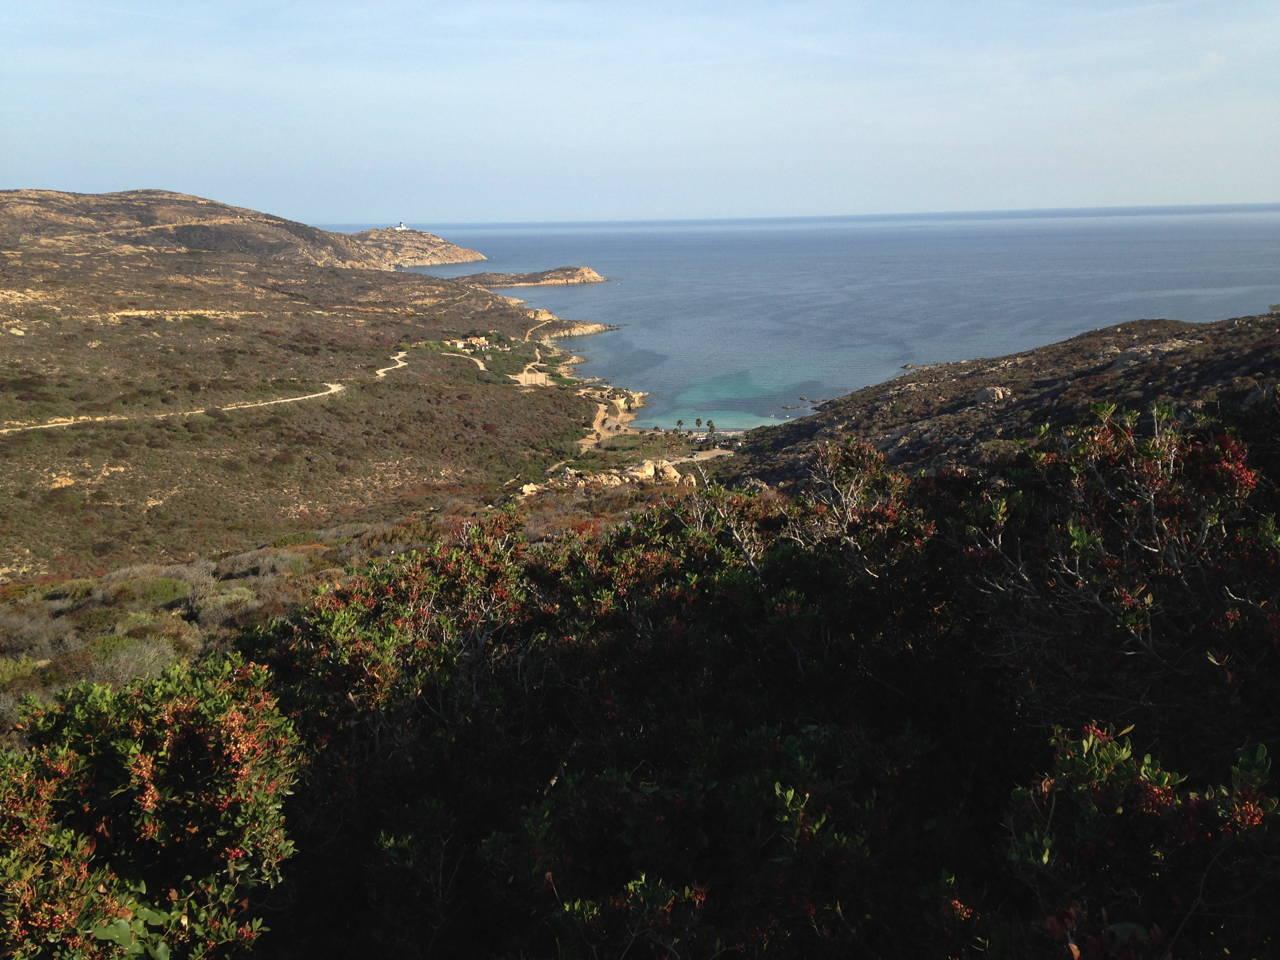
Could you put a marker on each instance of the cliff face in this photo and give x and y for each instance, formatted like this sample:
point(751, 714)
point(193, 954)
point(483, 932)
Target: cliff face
point(557, 277)
point(159, 220)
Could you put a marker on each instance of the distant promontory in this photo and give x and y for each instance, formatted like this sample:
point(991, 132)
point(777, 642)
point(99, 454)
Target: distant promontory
point(557, 277)
point(391, 247)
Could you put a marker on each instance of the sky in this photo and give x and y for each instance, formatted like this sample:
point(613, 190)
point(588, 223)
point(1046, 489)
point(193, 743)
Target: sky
point(499, 111)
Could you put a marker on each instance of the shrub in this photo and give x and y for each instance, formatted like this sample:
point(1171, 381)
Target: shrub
point(120, 658)
point(1128, 860)
point(216, 609)
point(141, 819)
point(15, 670)
point(27, 628)
point(522, 740)
point(151, 592)
point(70, 590)
point(1135, 577)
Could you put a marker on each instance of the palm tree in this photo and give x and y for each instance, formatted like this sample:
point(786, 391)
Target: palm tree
point(679, 424)
point(699, 423)
point(711, 427)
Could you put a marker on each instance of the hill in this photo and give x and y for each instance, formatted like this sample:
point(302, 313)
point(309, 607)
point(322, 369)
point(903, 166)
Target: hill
point(968, 412)
point(180, 377)
point(160, 220)
point(410, 248)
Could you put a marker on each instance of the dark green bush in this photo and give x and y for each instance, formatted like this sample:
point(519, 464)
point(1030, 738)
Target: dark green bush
point(1129, 860)
point(140, 819)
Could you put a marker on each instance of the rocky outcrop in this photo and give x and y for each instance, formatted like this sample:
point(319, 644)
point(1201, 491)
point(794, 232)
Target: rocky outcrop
point(647, 474)
point(388, 249)
point(1147, 351)
point(579, 330)
point(657, 471)
point(556, 277)
point(992, 394)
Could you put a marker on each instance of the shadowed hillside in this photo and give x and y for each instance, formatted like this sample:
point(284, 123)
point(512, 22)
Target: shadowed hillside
point(970, 411)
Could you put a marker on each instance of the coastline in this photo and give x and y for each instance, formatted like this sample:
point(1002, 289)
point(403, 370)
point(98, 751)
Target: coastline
point(616, 407)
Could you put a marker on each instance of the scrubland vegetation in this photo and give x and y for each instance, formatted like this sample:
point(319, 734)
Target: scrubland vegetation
point(223, 307)
point(83, 500)
point(1022, 711)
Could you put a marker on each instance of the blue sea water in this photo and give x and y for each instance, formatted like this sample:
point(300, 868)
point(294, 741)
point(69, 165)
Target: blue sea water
point(736, 321)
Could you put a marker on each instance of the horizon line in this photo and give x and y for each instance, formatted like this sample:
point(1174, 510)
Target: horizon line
point(1019, 212)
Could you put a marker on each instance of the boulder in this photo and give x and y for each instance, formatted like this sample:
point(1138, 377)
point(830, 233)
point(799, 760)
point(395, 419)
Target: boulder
point(1148, 351)
point(992, 395)
point(667, 473)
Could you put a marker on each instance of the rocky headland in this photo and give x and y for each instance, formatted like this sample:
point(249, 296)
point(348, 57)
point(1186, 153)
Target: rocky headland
point(388, 249)
point(557, 277)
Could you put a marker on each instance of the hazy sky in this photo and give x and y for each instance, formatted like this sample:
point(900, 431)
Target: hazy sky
point(501, 110)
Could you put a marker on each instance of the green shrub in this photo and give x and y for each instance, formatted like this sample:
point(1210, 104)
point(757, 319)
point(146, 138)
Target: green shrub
point(140, 819)
point(72, 590)
point(15, 670)
point(1127, 859)
point(152, 592)
point(215, 609)
point(1132, 574)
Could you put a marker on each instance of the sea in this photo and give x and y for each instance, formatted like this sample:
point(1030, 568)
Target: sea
point(749, 322)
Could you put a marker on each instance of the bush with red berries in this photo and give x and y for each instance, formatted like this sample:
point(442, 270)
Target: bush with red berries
point(141, 821)
point(1129, 860)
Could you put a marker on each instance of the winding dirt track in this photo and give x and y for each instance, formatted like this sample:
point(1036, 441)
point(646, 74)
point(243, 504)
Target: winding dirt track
point(330, 390)
point(398, 361)
point(529, 333)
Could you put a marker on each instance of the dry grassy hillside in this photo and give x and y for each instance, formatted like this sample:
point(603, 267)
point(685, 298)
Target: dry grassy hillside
point(131, 313)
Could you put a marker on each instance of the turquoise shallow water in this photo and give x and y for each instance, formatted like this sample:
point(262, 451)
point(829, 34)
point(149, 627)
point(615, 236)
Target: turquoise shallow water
point(738, 321)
